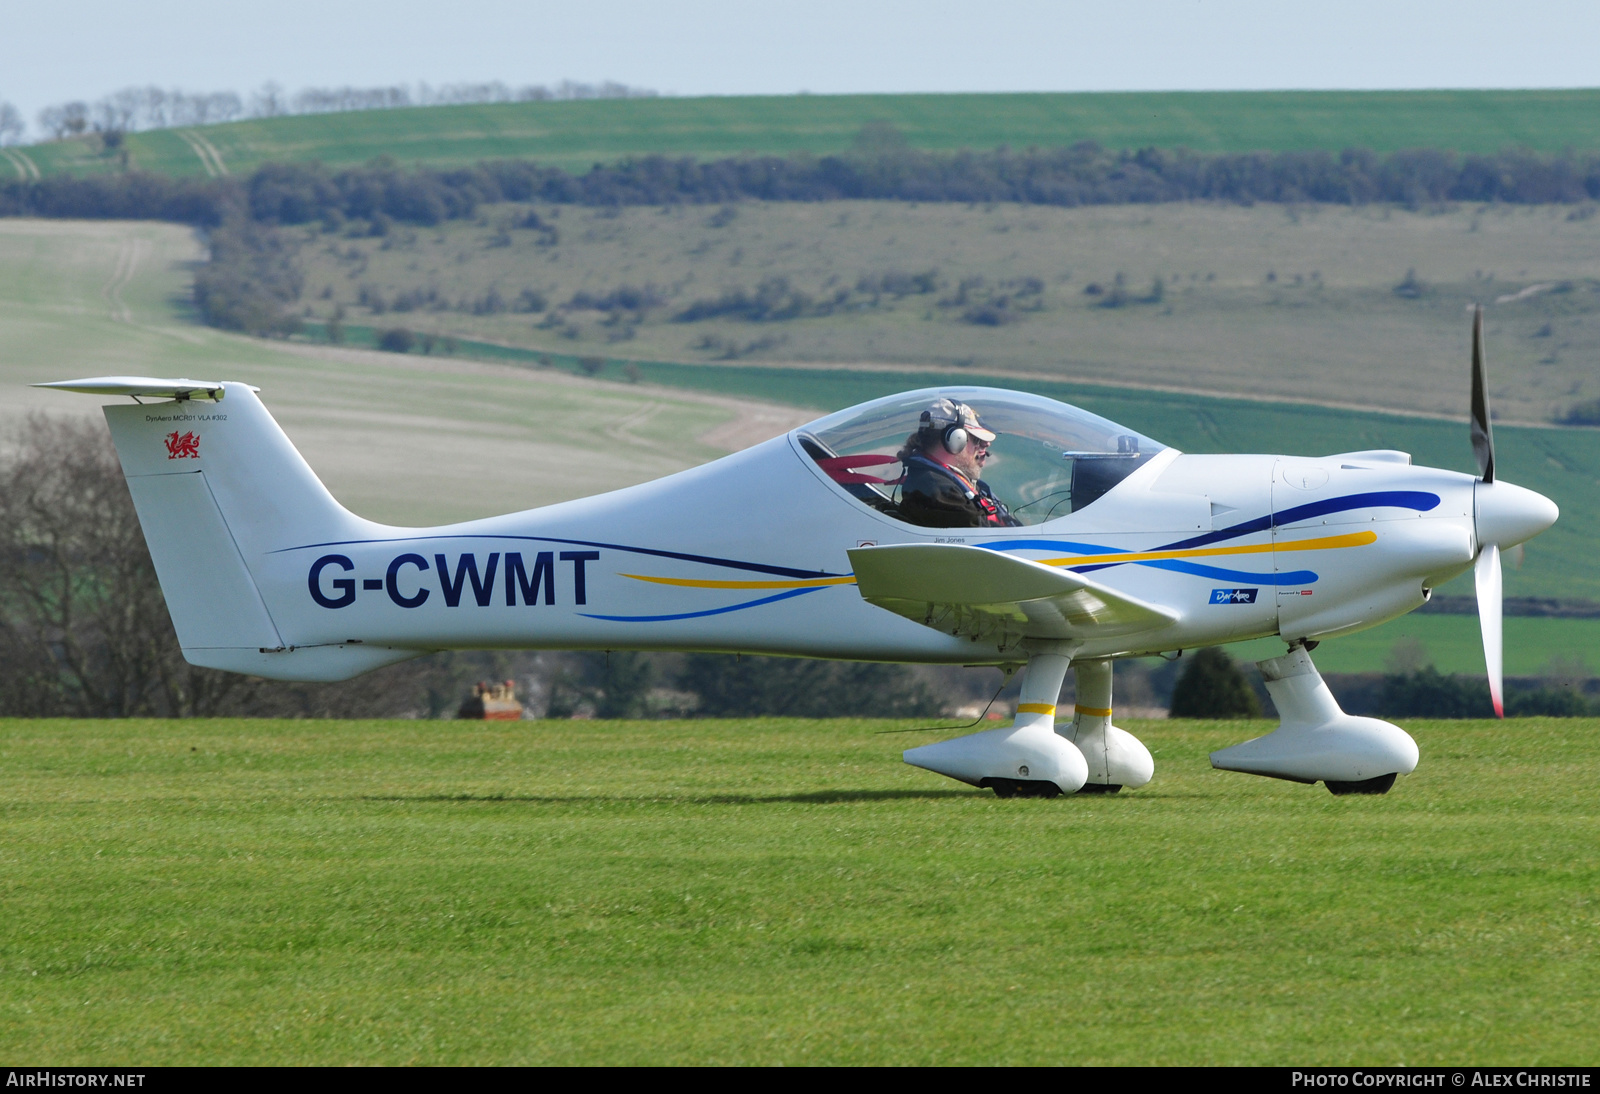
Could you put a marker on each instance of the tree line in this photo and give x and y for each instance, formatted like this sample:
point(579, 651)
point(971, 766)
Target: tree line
point(1084, 174)
point(133, 109)
point(1213, 685)
point(253, 276)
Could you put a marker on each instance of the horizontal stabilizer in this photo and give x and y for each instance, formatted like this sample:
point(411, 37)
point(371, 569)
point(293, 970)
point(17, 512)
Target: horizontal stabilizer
point(150, 386)
point(979, 593)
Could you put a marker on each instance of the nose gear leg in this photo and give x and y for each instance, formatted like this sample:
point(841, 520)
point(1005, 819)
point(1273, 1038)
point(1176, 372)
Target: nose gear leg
point(1317, 741)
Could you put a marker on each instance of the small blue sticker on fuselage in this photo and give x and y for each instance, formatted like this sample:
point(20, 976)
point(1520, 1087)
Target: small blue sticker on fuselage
point(1233, 596)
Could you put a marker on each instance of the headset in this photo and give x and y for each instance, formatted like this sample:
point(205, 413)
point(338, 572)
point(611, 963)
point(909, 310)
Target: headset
point(953, 437)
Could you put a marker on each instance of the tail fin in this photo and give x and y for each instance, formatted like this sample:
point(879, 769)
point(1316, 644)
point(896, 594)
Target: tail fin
point(218, 485)
point(258, 481)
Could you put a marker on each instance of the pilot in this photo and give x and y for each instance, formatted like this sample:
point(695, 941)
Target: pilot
point(943, 460)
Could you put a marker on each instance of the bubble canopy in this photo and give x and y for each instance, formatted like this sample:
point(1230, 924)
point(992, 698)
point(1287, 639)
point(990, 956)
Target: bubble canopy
point(1048, 459)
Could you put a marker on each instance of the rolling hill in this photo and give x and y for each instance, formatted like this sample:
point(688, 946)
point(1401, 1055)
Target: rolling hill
point(575, 135)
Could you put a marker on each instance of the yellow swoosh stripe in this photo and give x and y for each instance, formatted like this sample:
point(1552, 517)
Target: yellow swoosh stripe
point(697, 583)
point(1037, 708)
point(1094, 712)
point(1326, 543)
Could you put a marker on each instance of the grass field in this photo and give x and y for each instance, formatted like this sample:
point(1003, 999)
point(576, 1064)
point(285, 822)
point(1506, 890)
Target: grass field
point(577, 134)
point(395, 438)
point(779, 891)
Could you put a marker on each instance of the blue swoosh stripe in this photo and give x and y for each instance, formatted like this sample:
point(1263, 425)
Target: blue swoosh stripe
point(1418, 500)
point(709, 560)
point(1052, 544)
point(1249, 527)
point(1181, 566)
point(1291, 577)
point(712, 611)
point(1175, 565)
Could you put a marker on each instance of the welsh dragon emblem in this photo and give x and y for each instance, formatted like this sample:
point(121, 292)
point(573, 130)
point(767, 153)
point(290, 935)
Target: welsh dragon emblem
point(184, 447)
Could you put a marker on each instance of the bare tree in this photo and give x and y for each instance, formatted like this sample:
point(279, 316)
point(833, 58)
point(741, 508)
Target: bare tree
point(267, 101)
point(204, 109)
point(84, 629)
point(223, 106)
point(64, 120)
point(114, 114)
point(321, 100)
point(137, 108)
point(153, 107)
point(12, 126)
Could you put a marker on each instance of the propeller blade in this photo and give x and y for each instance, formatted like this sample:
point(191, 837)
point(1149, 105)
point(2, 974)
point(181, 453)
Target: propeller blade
point(1482, 433)
point(1487, 573)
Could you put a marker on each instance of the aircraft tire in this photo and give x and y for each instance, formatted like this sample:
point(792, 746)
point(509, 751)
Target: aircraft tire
point(1379, 785)
point(1100, 788)
point(1022, 788)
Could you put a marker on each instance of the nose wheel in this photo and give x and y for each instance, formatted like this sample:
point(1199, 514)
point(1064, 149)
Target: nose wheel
point(1022, 788)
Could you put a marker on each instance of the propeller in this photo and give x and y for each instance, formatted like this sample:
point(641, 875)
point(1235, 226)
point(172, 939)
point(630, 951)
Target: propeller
point(1482, 431)
point(1486, 575)
point(1486, 572)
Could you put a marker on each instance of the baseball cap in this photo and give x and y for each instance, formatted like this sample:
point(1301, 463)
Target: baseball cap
point(944, 413)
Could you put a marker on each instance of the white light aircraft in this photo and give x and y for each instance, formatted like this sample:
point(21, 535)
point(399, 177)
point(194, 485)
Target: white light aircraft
point(805, 546)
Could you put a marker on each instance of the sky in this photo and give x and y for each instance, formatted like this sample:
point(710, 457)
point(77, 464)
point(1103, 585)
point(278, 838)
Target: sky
point(82, 49)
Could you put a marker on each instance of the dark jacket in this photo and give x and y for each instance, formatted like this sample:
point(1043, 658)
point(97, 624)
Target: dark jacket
point(934, 496)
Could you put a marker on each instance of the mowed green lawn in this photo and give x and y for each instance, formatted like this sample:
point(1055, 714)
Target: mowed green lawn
point(576, 134)
point(779, 891)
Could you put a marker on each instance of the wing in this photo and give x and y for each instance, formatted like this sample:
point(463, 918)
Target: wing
point(984, 594)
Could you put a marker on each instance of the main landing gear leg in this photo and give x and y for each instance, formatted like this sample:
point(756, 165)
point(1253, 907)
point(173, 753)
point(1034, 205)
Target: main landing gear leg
point(1116, 758)
point(1028, 759)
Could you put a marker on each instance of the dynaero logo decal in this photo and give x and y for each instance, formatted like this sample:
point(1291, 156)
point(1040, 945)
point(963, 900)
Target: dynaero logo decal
point(186, 447)
point(1234, 596)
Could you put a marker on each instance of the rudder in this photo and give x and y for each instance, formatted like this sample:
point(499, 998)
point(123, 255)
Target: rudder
point(218, 486)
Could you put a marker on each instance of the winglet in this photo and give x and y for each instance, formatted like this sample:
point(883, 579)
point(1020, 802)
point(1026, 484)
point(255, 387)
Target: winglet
point(180, 390)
